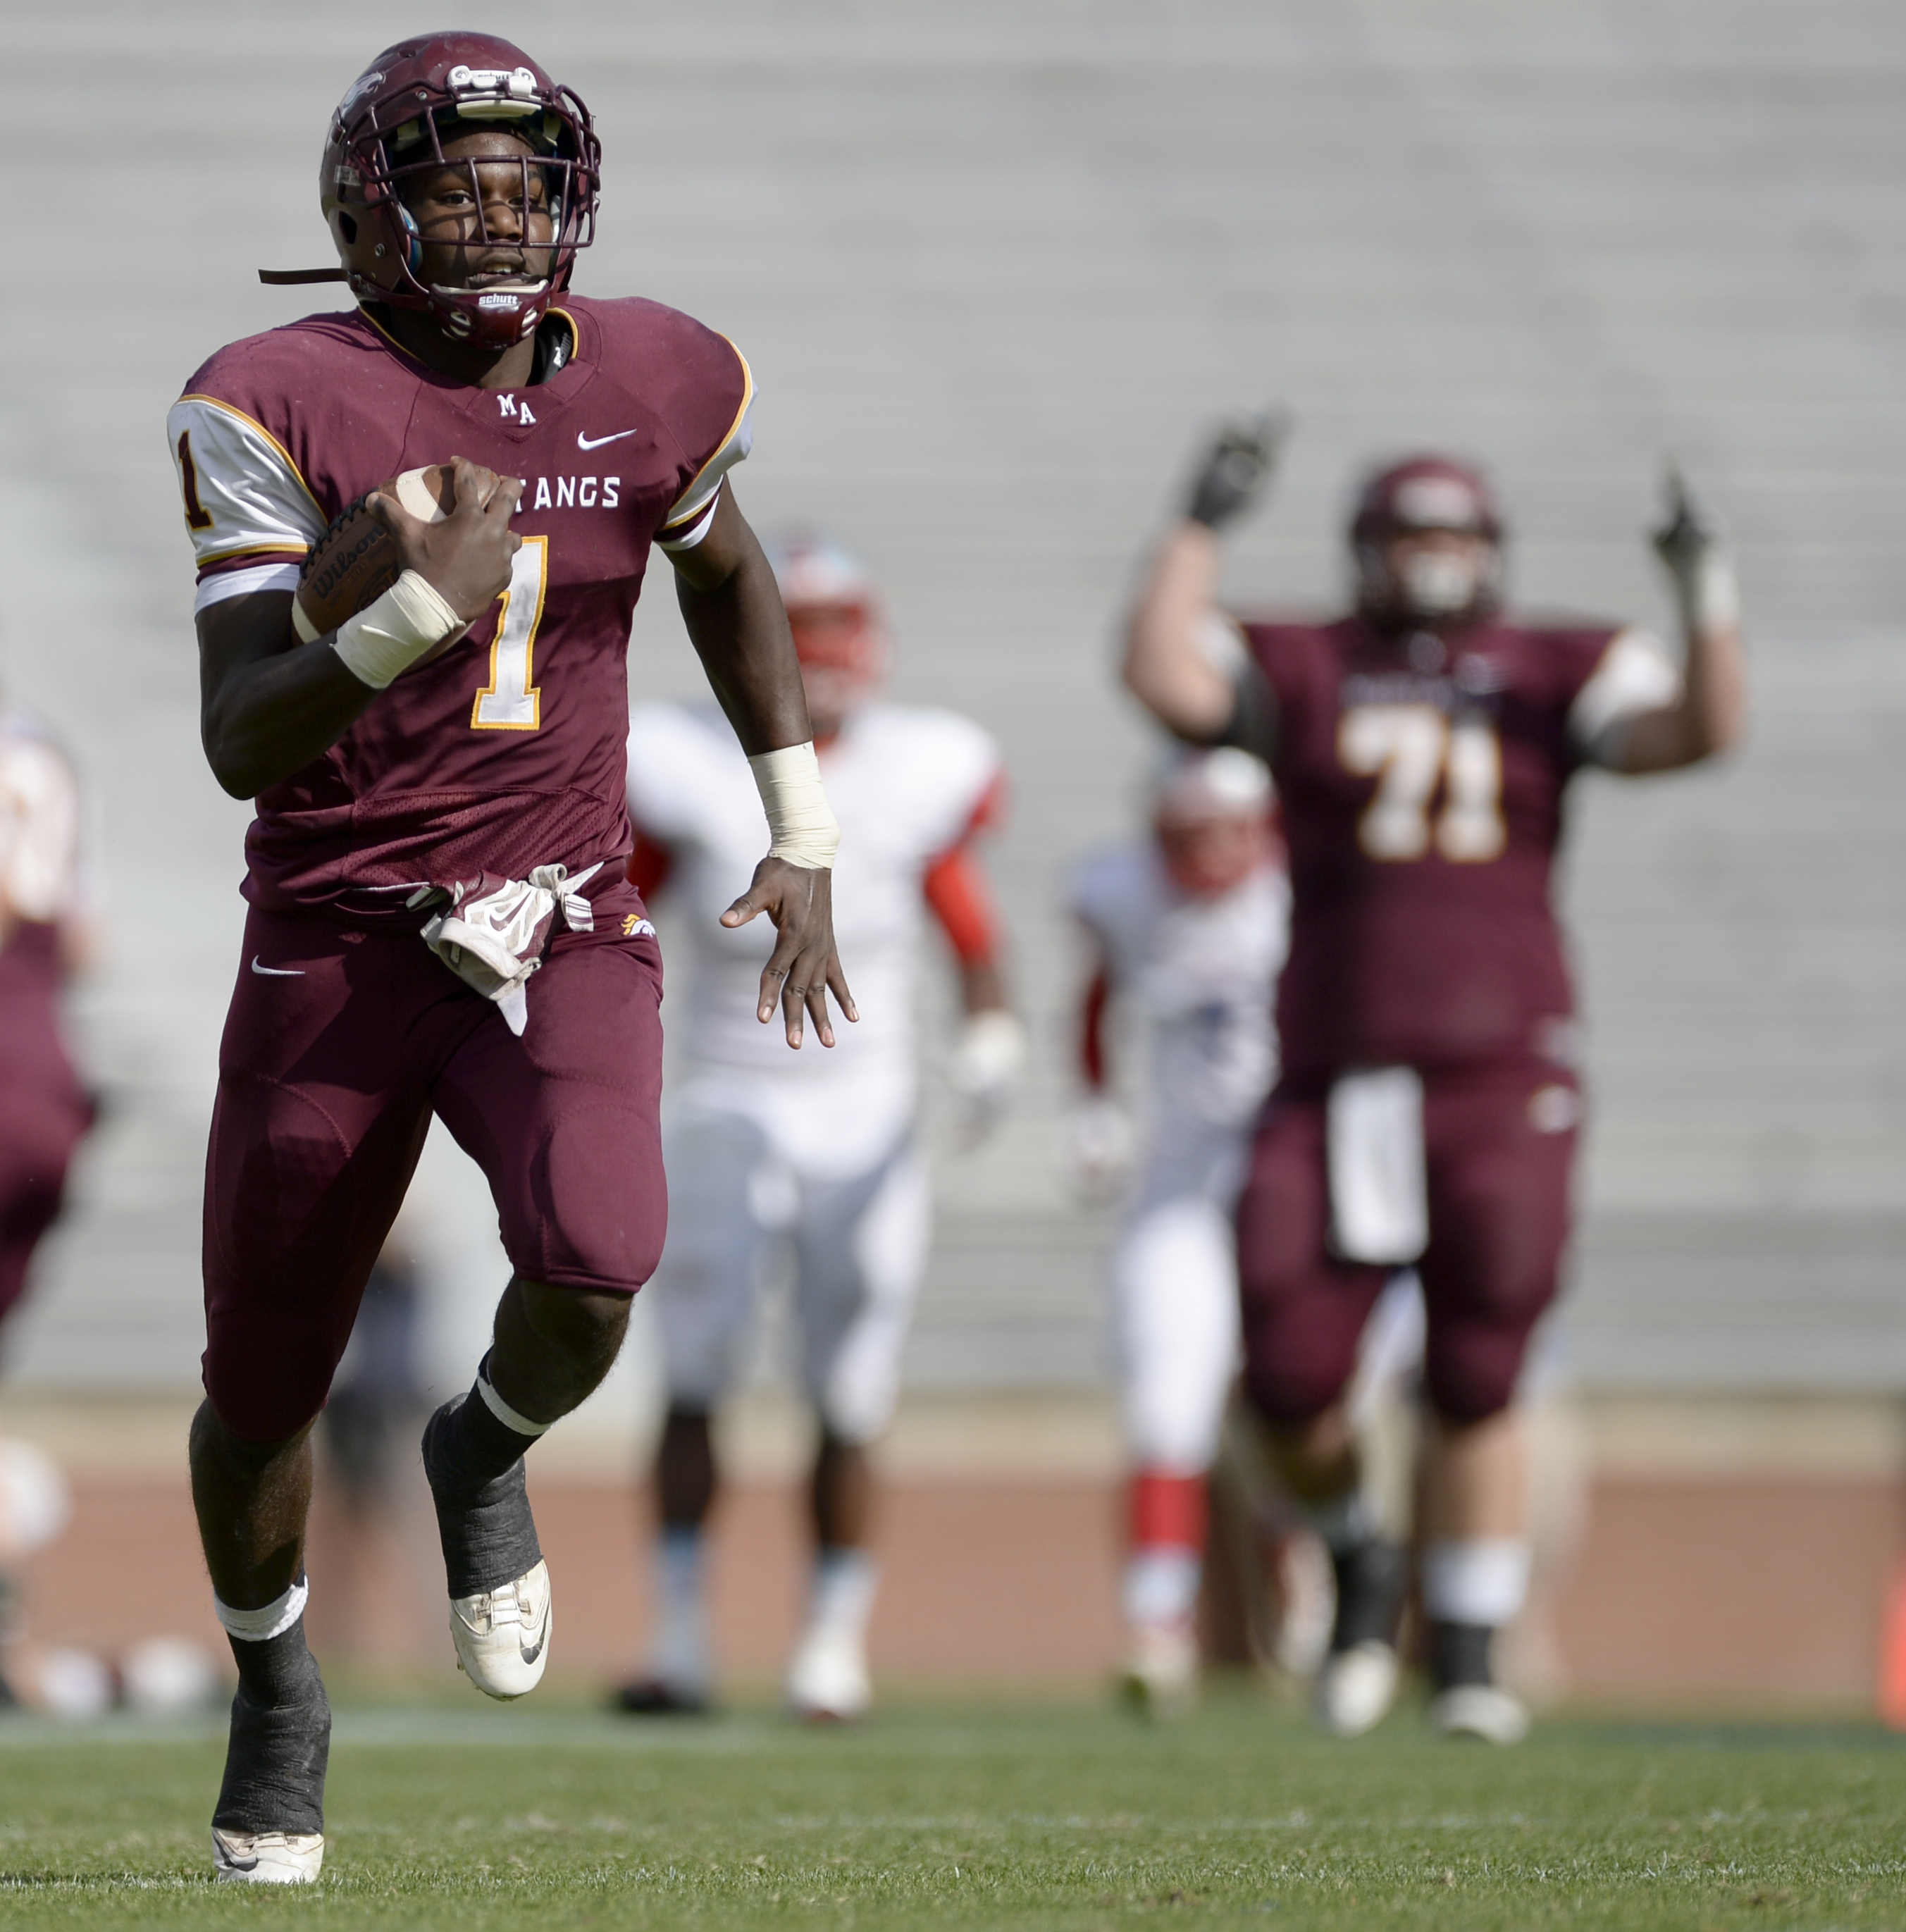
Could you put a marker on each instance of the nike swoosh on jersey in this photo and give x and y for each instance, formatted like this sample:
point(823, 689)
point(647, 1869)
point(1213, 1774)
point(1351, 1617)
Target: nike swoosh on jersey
point(596, 441)
point(276, 972)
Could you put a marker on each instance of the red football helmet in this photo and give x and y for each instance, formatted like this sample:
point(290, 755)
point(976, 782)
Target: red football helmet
point(1421, 497)
point(839, 629)
point(391, 124)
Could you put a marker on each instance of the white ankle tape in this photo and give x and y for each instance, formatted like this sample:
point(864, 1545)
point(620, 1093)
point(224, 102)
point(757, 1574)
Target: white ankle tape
point(509, 1418)
point(274, 1620)
point(1481, 1580)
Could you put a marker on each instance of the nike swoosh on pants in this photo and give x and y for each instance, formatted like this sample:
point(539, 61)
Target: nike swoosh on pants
point(276, 972)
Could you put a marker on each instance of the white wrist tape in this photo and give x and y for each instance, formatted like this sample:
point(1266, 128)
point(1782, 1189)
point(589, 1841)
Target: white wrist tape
point(800, 820)
point(1709, 590)
point(383, 641)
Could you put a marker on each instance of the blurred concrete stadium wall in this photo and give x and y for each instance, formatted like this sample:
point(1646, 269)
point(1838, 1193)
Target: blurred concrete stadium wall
point(994, 266)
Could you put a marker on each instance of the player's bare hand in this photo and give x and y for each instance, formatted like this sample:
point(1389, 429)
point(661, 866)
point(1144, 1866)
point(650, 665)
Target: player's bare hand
point(465, 558)
point(805, 967)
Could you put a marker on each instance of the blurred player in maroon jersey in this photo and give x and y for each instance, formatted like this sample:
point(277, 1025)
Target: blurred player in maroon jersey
point(1428, 1103)
point(439, 921)
point(46, 933)
point(820, 1158)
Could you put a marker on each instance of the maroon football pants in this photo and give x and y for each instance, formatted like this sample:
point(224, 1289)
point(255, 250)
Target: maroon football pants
point(1498, 1160)
point(338, 1047)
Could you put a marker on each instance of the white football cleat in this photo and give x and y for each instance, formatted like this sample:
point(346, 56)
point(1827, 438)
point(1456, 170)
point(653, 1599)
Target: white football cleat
point(827, 1681)
point(1485, 1710)
point(1356, 1687)
point(1160, 1676)
point(502, 1635)
point(267, 1858)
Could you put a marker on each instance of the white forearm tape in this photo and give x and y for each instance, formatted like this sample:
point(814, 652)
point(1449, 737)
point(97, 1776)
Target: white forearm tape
point(800, 822)
point(384, 641)
point(1709, 592)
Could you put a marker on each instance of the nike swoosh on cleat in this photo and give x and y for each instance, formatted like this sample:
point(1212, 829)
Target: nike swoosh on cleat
point(530, 1656)
point(276, 972)
point(596, 441)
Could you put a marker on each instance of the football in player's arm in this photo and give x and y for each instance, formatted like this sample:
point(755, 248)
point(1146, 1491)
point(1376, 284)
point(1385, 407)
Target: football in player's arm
point(439, 921)
point(1430, 1092)
point(821, 1156)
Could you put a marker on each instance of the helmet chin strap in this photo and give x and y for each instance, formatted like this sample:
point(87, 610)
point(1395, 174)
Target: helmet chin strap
point(489, 318)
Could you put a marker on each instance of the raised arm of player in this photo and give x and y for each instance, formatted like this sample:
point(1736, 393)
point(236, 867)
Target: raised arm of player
point(1709, 714)
point(735, 620)
point(267, 706)
point(1168, 666)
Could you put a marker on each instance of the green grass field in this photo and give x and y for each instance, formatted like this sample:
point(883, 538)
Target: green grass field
point(1044, 1816)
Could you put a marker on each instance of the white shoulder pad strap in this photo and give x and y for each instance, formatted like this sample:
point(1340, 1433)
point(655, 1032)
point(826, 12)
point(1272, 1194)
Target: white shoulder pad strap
point(242, 494)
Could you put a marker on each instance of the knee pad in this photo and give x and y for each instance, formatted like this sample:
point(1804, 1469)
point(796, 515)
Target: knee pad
point(1472, 1371)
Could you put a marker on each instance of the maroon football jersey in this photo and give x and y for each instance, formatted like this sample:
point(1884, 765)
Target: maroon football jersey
point(507, 752)
point(1422, 786)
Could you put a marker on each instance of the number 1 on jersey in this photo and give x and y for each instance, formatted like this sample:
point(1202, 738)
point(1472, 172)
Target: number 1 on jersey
point(509, 702)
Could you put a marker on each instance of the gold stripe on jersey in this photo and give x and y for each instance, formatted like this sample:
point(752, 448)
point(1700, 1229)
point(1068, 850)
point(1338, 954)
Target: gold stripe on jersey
point(255, 550)
point(734, 428)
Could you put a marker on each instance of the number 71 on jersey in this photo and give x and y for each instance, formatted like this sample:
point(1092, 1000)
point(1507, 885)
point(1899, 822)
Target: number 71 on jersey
point(1409, 749)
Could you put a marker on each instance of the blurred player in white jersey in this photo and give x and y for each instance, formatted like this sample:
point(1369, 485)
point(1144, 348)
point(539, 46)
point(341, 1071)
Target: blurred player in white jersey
point(817, 1153)
point(1188, 929)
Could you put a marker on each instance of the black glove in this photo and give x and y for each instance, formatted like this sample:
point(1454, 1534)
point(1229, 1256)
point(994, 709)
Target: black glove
point(1689, 530)
point(1236, 469)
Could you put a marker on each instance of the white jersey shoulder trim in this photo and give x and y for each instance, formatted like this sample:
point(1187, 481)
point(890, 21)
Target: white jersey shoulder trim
point(1635, 675)
point(689, 515)
point(243, 494)
point(239, 583)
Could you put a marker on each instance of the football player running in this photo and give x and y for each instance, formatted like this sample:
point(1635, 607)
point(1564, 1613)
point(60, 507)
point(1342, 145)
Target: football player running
point(820, 1160)
point(1188, 929)
point(1427, 1106)
point(410, 779)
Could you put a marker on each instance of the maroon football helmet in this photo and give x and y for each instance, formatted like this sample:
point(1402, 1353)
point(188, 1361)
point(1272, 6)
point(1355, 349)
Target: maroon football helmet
point(1420, 497)
point(391, 125)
